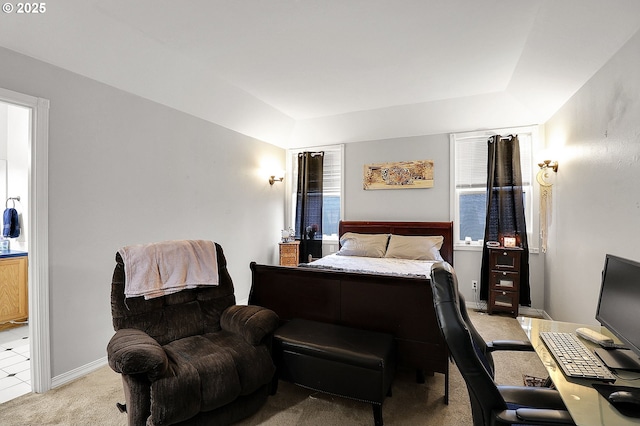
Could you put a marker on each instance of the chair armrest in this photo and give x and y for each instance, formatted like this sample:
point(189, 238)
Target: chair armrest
point(525, 396)
point(535, 416)
point(252, 322)
point(549, 408)
point(539, 416)
point(132, 351)
point(509, 345)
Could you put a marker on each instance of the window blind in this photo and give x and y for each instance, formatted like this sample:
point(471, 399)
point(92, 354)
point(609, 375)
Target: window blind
point(471, 161)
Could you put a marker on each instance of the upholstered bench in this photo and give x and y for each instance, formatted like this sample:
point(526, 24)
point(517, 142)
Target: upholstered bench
point(338, 360)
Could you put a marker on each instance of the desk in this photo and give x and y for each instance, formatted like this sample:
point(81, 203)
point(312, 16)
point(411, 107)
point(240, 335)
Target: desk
point(586, 405)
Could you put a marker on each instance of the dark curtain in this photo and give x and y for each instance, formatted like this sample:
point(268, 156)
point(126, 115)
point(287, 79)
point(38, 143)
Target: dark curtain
point(309, 205)
point(505, 208)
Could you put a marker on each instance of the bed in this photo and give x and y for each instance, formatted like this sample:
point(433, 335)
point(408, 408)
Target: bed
point(397, 303)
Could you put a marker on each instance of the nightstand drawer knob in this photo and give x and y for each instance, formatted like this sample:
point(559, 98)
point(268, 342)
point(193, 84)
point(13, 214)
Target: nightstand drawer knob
point(504, 254)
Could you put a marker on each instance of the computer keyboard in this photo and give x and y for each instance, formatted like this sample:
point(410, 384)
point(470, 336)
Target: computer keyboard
point(574, 358)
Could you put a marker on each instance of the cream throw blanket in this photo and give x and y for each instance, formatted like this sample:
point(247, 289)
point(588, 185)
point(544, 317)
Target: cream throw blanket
point(157, 269)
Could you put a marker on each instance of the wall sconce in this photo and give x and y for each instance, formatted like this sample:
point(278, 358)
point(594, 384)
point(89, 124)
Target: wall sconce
point(273, 179)
point(545, 179)
point(548, 164)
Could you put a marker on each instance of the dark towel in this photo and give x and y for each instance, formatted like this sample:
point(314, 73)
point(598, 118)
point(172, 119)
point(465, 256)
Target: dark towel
point(11, 226)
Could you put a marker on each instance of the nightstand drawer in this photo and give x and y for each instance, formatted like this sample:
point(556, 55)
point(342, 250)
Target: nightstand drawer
point(288, 252)
point(503, 280)
point(504, 300)
point(504, 260)
point(288, 261)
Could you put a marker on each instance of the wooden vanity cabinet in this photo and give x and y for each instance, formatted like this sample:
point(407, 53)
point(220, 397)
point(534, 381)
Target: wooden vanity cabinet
point(14, 298)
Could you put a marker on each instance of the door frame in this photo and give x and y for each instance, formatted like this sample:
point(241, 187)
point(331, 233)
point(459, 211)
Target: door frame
point(38, 237)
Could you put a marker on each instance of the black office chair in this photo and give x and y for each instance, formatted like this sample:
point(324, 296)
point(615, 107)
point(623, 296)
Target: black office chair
point(490, 404)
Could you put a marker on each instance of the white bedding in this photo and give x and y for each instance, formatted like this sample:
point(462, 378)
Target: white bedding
point(374, 265)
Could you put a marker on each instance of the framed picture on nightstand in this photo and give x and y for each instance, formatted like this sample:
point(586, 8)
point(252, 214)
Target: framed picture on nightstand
point(509, 241)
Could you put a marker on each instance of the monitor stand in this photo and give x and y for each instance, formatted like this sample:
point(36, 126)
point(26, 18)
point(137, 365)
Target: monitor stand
point(619, 359)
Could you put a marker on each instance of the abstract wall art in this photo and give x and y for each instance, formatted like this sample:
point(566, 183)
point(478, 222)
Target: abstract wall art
point(399, 175)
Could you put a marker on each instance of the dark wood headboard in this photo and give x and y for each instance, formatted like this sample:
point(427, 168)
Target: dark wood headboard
point(405, 228)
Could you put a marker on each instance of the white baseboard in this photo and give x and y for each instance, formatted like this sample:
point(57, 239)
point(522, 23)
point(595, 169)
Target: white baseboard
point(76, 373)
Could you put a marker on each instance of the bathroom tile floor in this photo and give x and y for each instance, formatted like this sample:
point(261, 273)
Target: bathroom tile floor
point(15, 372)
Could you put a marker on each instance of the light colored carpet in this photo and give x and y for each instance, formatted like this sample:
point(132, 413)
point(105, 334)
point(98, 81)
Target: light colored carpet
point(91, 400)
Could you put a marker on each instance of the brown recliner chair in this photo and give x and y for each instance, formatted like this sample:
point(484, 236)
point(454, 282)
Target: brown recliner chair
point(192, 357)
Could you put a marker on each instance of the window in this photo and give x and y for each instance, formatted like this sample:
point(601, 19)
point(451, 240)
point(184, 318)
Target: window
point(469, 182)
point(332, 199)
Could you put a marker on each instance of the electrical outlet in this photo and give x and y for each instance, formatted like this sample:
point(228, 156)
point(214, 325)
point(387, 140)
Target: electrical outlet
point(474, 284)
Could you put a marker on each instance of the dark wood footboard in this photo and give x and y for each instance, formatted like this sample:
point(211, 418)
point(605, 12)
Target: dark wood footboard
point(401, 306)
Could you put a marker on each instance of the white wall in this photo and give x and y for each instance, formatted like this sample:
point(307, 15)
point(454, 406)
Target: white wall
point(431, 204)
point(596, 204)
point(125, 170)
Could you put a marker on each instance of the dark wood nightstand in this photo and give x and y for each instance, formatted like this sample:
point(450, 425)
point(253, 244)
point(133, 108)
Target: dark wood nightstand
point(504, 280)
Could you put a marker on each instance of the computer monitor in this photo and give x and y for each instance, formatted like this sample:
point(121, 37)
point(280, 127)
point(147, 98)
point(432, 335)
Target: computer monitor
point(619, 311)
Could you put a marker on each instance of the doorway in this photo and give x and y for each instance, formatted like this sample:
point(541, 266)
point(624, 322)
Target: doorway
point(15, 368)
point(30, 178)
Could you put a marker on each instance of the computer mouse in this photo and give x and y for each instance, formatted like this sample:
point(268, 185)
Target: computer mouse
point(627, 399)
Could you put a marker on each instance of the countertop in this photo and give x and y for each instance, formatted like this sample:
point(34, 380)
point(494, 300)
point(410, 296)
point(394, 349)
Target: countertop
point(12, 253)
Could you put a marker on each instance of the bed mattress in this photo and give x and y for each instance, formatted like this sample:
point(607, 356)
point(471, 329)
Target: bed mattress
point(374, 265)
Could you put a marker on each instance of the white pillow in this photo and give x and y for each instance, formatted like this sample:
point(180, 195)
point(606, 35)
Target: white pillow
point(366, 245)
point(415, 247)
